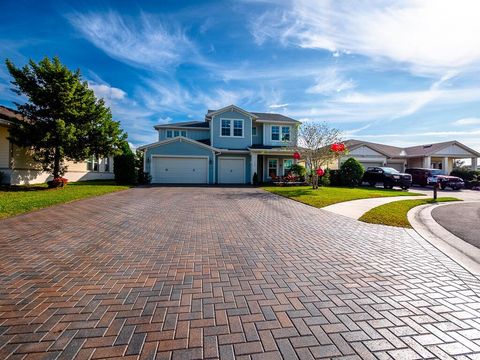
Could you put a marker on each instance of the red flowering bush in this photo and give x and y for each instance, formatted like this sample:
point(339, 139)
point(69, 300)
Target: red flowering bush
point(57, 182)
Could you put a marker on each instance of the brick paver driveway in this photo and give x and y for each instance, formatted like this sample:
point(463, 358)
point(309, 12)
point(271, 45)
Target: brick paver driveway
point(208, 272)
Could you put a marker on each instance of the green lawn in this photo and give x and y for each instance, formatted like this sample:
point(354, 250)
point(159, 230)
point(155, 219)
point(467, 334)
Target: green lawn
point(21, 199)
point(331, 195)
point(395, 213)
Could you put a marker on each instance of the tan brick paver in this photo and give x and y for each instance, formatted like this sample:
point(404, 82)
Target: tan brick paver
point(190, 273)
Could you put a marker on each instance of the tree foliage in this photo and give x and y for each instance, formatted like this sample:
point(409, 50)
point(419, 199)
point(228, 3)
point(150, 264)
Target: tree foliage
point(63, 118)
point(314, 141)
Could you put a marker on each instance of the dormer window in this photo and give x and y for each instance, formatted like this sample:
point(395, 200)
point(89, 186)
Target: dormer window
point(175, 133)
point(231, 128)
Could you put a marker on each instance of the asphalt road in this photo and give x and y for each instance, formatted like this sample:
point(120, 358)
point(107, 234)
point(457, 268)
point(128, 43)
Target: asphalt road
point(462, 220)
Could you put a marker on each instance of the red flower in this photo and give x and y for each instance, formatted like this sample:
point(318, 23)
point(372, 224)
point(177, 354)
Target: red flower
point(320, 172)
point(296, 155)
point(338, 147)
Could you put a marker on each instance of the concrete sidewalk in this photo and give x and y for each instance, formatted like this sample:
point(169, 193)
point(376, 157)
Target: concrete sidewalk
point(356, 208)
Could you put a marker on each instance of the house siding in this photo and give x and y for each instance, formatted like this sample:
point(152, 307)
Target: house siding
point(231, 142)
point(191, 134)
point(4, 148)
point(258, 139)
point(180, 148)
point(267, 135)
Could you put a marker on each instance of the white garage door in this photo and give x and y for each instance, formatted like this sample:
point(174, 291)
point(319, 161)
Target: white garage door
point(231, 171)
point(397, 166)
point(179, 170)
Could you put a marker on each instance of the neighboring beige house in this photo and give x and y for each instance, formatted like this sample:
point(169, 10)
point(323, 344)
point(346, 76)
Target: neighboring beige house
point(437, 156)
point(19, 167)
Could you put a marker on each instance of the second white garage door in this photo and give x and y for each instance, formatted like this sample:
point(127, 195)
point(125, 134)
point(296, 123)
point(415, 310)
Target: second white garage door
point(179, 170)
point(231, 171)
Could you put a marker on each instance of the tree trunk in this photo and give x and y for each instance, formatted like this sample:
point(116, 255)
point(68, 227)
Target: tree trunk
point(315, 181)
point(56, 163)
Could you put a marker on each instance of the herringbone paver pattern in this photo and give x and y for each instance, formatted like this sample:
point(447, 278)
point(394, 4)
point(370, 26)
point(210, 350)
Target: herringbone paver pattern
point(190, 273)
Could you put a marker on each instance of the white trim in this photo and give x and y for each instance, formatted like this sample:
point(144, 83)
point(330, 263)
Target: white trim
point(161, 127)
point(178, 138)
point(232, 108)
point(286, 122)
point(233, 158)
point(214, 169)
point(232, 128)
point(181, 156)
point(233, 151)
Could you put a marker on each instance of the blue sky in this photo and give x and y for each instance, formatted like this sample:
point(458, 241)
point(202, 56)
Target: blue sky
point(398, 72)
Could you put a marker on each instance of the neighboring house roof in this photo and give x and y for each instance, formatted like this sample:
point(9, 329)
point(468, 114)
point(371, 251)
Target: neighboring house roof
point(232, 107)
point(184, 124)
point(412, 151)
point(7, 115)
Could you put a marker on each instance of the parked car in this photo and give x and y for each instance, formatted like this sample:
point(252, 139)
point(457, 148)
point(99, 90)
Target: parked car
point(388, 176)
point(425, 177)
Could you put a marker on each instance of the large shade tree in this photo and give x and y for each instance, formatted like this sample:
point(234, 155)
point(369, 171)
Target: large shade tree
point(63, 118)
point(315, 140)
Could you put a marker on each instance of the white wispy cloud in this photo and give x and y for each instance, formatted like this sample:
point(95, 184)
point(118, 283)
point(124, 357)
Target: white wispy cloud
point(331, 81)
point(107, 92)
point(467, 121)
point(277, 106)
point(145, 41)
point(429, 37)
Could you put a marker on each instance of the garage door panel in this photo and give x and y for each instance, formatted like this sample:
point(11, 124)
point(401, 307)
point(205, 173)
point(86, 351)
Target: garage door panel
point(367, 164)
point(231, 171)
point(179, 170)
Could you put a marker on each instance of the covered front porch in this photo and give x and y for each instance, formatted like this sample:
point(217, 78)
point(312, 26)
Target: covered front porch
point(270, 165)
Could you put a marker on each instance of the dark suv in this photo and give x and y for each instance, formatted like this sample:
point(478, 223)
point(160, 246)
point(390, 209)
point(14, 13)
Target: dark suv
point(425, 177)
point(389, 177)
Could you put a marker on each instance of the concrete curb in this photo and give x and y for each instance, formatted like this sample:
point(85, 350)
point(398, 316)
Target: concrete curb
point(466, 255)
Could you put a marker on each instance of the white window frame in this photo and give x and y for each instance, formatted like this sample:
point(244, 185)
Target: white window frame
point(268, 167)
point(279, 132)
point(289, 133)
point(231, 121)
point(173, 131)
point(254, 128)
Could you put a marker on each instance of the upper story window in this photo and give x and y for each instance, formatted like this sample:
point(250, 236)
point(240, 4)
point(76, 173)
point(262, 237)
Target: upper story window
point(231, 128)
point(254, 131)
point(175, 133)
point(285, 133)
point(275, 133)
point(280, 133)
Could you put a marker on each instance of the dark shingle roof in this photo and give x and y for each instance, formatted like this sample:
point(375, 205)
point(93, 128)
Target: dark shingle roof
point(260, 146)
point(192, 124)
point(390, 151)
point(266, 116)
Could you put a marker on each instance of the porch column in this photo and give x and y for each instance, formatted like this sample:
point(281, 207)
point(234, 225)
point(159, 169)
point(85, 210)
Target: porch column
point(427, 162)
point(445, 166)
point(253, 167)
point(474, 163)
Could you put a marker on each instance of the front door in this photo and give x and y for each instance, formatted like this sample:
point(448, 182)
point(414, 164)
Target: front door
point(272, 168)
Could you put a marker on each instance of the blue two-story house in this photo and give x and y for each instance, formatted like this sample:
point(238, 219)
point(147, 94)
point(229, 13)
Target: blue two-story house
point(228, 147)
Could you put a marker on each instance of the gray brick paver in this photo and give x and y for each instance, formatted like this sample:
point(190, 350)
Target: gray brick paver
point(224, 272)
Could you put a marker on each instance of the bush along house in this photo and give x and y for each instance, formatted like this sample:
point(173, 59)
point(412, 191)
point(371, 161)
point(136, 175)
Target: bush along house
point(230, 146)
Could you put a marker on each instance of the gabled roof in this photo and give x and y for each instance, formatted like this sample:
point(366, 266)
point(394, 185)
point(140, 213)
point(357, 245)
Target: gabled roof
point(412, 151)
point(387, 150)
point(258, 116)
point(231, 107)
point(184, 124)
point(178, 138)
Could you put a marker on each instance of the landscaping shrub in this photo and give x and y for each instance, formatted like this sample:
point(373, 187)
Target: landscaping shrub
point(351, 172)
point(255, 179)
point(57, 182)
point(142, 177)
point(335, 177)
point(471, 177)
point(124, 169)
point(299, 170)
